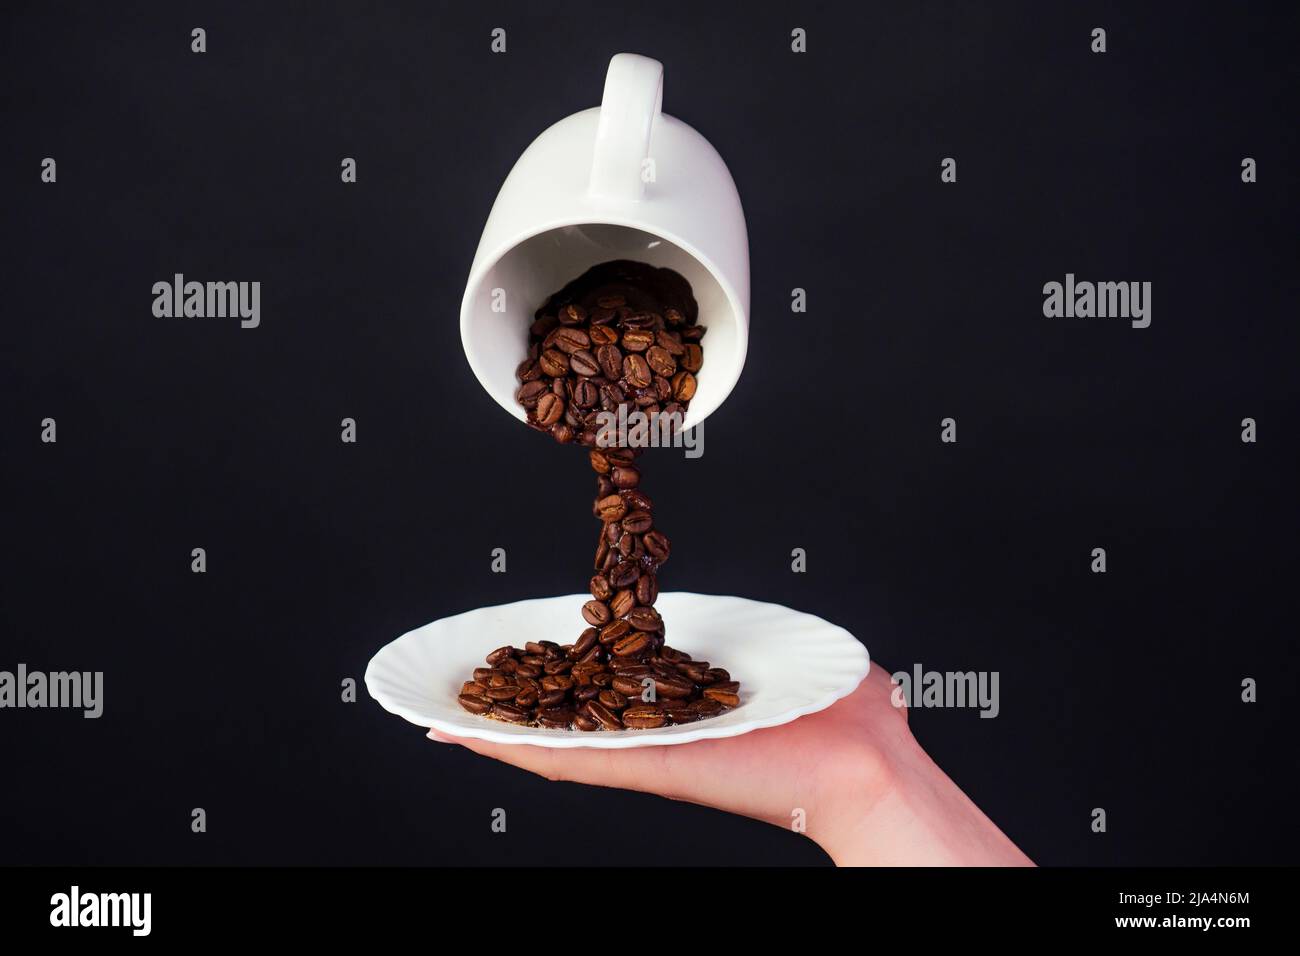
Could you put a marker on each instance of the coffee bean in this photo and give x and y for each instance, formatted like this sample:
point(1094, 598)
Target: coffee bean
point(554, 362)
point(583, 722)
point(611, 508)
point(475, 689)
point(528, 370)
point(551, 698)
point(475, 703)
point(673, 686)
point(504, 692)
point(622, 602)
point(693, 333)
point(530, 392)
point(549, 410)
point(600, 587)
point(572, 314)
point(637, 522)
point(637, 500)
point(629, 545)
point(602, 335)
point(638, 642)
point(584, 363)
point(726, 694)
point(611, 301)
point(657, 546)
point(661, 362)
point(645, 619)
point(500, 654)
point(516, 715)
point(542, 326)
point(706, 707)
point(610, 360)
point(624, 574)
point(680, 714)
point(613, 699)
point(638, 340)
point(647, 589)
point(526, 698)
point(602, 715)
point(683, 386)
point(585, 642)
point(629, 686)
point(556, 718)
point(641, 717)
point(570, 340)
point(635, 370)
point(596, 613)
point(625, 477)
point(615, 631)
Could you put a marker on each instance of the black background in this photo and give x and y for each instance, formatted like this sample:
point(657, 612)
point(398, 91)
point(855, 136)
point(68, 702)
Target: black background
point(1119, 691)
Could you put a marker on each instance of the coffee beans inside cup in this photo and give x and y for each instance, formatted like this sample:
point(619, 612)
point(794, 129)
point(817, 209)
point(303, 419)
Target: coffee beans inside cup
point(623, 334)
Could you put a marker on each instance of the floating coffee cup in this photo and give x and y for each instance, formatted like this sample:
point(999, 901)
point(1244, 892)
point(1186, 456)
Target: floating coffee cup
point(621, 181)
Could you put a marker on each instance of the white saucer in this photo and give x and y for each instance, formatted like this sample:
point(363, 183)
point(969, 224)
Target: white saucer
point(788, 663)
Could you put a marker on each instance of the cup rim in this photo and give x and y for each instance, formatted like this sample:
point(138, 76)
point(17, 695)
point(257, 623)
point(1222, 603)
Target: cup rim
point(484, 263)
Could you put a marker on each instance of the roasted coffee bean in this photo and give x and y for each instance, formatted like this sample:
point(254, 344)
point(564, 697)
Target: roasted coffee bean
point(602, 678)
point(551, 698)
point(604, 488)
point(622, 602)
point(692, 359)
point(602, 715)
point(530, 392)
point(645, 619)
point(549, 409)
point(638, 642)
point(552, 682)
point(585, 642)
point(637, 500)
point(570, 340)
point(554, 362)
point(542, 326)
point(719, 675)
point(556, 667)
point(475, 703)
point(637, 522)
point(647, 589)
point(635, 371)
point(610, 360)
point(596, 613)
point(616, 631)
point(528, 670)
point(499, 655)
point(572, 314)
point(693, 333)
point(641, 717)
point(583, 722)
point(611, 508)
point(625, 476)
point(683, 386)
point(638, 340)
point(474, 688)
point(660, 361)
point(670, 342)
point(629, 668)
point(556, 718)
point(673, 687)
point(624, 574)
point(629, 545)
point(585, 693)
point(516, 715)
point(612, 301)
point(726, 693)
point(613, 699)
point(657, 546)
point(628, 686)
point(562, 433)
point(482, 674)
point(602, 335)
point(706, 707)
point(526, 698)
point(504, 692)
point(584, 363)
point(599, 461)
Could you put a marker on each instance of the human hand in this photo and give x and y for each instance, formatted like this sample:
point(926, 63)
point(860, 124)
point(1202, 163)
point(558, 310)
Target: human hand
point(867, 791)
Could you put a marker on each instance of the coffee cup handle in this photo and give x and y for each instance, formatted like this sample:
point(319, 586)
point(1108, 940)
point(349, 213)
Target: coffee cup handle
point(634, 92)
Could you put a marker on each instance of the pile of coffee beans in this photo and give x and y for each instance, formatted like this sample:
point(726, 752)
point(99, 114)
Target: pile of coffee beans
point(623, 334)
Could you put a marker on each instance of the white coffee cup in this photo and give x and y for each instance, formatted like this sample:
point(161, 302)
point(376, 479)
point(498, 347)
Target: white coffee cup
point(621, 181)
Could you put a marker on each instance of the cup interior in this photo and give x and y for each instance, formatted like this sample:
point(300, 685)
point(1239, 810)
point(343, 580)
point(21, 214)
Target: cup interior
point(500, 303)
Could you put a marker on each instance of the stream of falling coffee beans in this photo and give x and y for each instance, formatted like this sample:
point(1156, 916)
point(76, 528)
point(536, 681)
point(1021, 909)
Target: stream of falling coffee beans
point(622, 334)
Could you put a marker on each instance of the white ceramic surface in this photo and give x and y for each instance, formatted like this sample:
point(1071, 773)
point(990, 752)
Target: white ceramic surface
point(577, 197)
point(788, 663)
